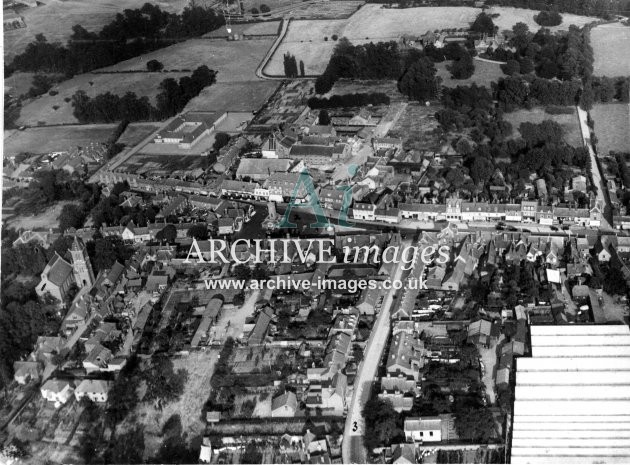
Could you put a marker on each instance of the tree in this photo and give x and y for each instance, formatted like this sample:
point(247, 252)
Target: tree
point(381, 423)
point(199, 231)
point(463, 68)
point(511, 67)
point(255, 11)
point(475, 425)
point(167, 234)
point(264, 9)
point(615, 283)
point(238, 300)
point(526, 65)
point(221, 139)
point(419, 81)
point(323, 118)
point(483, 24)
point(252, 454)
point(163, 383)
point(41, 85)
point(301, 68)
point(126, 447)
point(71, 216)
point(548, 18)
point(154, 66)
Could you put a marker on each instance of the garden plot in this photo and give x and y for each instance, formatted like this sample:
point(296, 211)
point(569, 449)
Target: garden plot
point(611, 49)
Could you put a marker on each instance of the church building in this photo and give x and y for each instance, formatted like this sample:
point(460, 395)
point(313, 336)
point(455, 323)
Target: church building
point(60, 274)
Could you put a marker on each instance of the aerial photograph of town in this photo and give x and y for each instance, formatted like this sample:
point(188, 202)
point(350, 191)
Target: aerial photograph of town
point(315, 231)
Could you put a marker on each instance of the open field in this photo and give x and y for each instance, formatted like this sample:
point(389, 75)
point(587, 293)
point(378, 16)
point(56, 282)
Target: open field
point(41, 108)
point(373, 23)
point(569, 123)
point(233, 96)
point(612, 127)
point(262, 28)
point(55, 139)
point(234, 60)
point(317, 9)
point(56, 18)
point(45, 220)
point(485, 74)
point(137, 132)
point(611, 49)
point(508, 17)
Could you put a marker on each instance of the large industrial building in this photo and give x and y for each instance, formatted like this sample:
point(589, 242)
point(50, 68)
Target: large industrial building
point(572, 399)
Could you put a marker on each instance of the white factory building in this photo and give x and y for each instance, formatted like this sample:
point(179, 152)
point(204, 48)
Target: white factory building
point(572, 399)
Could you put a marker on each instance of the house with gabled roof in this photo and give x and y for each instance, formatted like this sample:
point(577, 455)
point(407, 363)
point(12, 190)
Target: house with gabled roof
point(97, 390)
point(284, 405)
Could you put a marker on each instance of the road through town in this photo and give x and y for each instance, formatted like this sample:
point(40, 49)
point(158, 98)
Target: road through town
point(353, 450)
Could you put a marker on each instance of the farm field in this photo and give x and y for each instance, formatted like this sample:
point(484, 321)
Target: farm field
point(56, 18)
point(569, 123)
point(611, 50)
point(234, 60)
point(137, 132)
point(233, 96)
point(55, 139)
point(305, 9)
point(612, 127)
point(41, 108)
point(262, 28)
point(508, 17)
point(485, 74)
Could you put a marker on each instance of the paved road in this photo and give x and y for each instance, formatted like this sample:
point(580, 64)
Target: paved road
point(353, 450)
point(597, 177)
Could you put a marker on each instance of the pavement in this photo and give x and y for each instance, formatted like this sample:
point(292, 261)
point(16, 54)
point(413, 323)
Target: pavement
point(353, 449)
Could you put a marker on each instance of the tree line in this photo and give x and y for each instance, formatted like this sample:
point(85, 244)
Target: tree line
point(173, 97)
point(602, 9)
point(130, 34)
point(291, 66)
point(349, 100)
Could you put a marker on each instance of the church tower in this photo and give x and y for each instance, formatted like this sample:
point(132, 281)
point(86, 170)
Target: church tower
point(81, 265)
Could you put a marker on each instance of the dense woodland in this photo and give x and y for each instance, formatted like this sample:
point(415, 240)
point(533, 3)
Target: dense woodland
point(132, 33)
point(173, 97)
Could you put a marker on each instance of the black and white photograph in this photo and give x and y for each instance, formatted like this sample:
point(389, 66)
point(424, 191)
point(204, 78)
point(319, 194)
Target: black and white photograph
point(315, 232)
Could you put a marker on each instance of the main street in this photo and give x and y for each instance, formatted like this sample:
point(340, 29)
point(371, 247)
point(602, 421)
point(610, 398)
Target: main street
point(353, 449)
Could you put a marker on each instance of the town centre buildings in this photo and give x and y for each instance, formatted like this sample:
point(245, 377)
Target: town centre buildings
point(572, 398)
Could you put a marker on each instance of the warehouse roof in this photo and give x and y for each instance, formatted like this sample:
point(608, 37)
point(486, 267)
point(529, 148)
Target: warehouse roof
point(572, 397)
